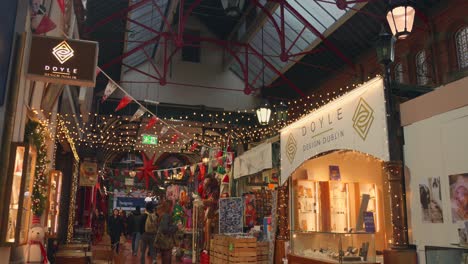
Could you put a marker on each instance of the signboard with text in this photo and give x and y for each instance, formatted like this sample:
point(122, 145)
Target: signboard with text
point(355, 121)
point(64, 61)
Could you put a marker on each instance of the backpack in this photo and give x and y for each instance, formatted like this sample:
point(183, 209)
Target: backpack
point(151, 223)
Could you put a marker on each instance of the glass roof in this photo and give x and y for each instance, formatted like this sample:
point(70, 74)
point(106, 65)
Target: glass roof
point(321, 15)
point(148, 15)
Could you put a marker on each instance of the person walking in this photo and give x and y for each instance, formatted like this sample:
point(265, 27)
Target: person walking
point(149, 227)
point(115, 228)
point(166, 230)
point(135, 222)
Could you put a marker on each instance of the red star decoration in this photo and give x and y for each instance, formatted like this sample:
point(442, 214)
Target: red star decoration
point(147, 169)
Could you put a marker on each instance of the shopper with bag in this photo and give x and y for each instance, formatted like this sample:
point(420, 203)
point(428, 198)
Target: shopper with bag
point(135, 222)
point(149, 228)
point(115, 229)
point(166, 230)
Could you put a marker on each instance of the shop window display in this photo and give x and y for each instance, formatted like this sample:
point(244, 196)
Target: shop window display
point(336, 209)
point(23, 165)
point(53, 212)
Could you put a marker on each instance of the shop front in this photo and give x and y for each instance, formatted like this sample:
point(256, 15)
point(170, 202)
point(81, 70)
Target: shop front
point(336, 161)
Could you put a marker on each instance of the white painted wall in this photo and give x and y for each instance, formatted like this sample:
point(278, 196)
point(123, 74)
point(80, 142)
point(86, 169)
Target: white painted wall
point(435, 147)
point(209, 72)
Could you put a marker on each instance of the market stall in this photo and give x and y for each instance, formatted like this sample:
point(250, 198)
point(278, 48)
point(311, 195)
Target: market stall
point(336, 162)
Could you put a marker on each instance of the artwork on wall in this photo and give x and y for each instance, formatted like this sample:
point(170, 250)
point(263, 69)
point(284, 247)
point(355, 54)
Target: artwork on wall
point(334, 173)
point(231, 215)
point(430, 197)
point(459, 196)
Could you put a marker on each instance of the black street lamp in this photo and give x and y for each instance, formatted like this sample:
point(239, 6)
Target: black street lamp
point(281, 112)
point(385, 48)
point(233, 8)
point(400, 17)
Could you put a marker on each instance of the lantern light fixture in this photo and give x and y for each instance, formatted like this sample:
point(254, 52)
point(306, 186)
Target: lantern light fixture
point(233, 8)
point(400, 17)
point(264, 113)
point(385, 47)
point(281, 112)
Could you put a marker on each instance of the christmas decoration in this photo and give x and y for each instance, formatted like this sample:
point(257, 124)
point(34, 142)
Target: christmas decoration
point(153, 120)
point(110, 88)
point(178, 214)
point(147, 169)
point(123, 103)
point(61, 4)
point(35, 136)
point(139, 113)
point(45, 24)
point(174, 138)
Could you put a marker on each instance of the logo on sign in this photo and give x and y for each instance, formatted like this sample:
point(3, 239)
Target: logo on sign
point(63, 52)
point(363, 118)
point(291, 148)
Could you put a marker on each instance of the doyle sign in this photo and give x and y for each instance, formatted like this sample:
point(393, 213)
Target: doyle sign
point(65, 61)
point(355, 121)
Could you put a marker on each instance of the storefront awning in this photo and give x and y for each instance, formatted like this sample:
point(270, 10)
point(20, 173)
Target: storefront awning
point(253, 161)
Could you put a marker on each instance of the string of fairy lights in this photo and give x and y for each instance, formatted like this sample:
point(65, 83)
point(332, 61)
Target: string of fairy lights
point(237, 126)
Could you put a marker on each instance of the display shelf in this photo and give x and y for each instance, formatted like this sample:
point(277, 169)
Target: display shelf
point(333, 247)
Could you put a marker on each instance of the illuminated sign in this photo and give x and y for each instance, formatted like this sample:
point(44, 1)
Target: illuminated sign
point(62, 61)
point(149, 139)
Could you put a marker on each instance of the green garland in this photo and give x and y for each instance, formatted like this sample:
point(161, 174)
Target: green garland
point(35, 135)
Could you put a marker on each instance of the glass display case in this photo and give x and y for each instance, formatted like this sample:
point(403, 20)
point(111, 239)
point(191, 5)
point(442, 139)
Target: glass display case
point(20, 178)
point(443, 255)
point(332, 247)
point(53, 209)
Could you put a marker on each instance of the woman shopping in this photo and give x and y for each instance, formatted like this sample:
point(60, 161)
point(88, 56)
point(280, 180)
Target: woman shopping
point(166, 230)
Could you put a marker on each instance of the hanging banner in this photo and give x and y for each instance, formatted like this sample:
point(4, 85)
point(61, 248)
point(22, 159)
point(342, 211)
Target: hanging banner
point(355, 121)
point(65, 61)
point(253, 161)
point(88, 173)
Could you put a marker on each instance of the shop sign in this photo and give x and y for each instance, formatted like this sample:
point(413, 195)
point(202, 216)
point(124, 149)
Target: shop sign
point(252, 161)
point(63, 61)
point(129, 181)
point(88, 173)
point(149, 139)
point(355, 121)
point(129, 203)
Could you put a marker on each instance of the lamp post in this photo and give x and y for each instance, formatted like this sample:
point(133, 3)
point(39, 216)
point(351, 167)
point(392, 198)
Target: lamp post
point(400, 17)
point(264, 113)
point(394, 169)
point(233, 8)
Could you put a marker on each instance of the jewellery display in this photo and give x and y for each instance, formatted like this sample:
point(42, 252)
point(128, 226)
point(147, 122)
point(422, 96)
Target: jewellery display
point(307, 205)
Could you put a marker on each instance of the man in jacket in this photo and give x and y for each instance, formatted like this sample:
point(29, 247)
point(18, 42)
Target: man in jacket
point(149, 228)
point(135, 222)
point(115, 229)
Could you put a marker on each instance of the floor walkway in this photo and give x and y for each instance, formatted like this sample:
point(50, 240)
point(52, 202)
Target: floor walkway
point(125, 256)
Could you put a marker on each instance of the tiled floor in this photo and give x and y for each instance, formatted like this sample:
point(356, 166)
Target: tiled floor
point(125, 256)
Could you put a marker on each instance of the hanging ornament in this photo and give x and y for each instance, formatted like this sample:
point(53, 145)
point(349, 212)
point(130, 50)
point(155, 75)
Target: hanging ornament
point(139, 113)
point(123, 103)
point(110, 88)
point(147, 169)
point(164, 130)
point(153, 120)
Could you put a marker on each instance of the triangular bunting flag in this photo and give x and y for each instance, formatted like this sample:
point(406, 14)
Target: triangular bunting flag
point(123, 102)
point(174, 138)
point(194, 146)
point(139, 113)
point(166, 174)
point(153, 120)
point(174, 172)
point(202, 151)
point(164, 130)
point(230, 157)
point(159, 174)
point(110, 88)
point(193, 168)
point(45, 25)
point(61, 4)
point(183, 169)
